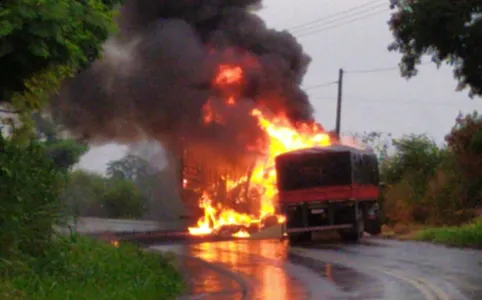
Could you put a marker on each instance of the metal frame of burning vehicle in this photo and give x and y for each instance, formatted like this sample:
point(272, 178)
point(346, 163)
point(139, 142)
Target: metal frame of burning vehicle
point(332, 188)
point(227, 188)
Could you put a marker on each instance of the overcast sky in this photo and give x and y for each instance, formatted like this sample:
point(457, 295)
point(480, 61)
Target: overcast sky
point(354, 35)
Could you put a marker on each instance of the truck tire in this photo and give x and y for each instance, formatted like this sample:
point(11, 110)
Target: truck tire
point(374, 227)
point(355, 234)
point(373, 224)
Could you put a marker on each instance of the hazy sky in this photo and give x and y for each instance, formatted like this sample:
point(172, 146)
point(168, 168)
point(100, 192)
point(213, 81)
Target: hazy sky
point(354, 35)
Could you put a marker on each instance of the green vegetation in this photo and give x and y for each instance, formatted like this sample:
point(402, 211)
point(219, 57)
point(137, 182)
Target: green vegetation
point(37, 263)
point(65, 153)
point(467, 235)
point(429, 185)
point(45, 41)
point(29, 188)
point(447, 30)
point(79, 268)
point(92, 195)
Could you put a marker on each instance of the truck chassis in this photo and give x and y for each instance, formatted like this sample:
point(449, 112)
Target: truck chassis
point(349, 218)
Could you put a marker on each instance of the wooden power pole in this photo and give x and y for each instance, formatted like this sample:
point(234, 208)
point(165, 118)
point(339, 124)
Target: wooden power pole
point(338, 104)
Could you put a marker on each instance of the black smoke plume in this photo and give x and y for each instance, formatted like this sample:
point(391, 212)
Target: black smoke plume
point(156, 75)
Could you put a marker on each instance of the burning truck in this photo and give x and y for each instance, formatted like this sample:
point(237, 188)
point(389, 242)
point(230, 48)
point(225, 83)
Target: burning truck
point(218, 89)
point(329, 188)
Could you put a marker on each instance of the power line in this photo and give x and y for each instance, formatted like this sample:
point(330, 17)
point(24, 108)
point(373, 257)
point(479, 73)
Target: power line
point(355, 72)
point(380, 69)
point(387, 103)
point(320, 85)
point(373, 70)
point(323, 29)
point(300, 26)
point(323, 22)
point(323, 98)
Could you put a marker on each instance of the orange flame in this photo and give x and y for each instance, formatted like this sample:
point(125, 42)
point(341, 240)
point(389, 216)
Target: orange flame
point(241, 234)
point(228, 75)
point(282, 136)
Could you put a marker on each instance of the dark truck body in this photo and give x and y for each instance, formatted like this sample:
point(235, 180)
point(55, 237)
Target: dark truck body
point(329, 188)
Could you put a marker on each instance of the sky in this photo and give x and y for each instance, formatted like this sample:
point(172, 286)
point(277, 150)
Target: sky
point(354, 35)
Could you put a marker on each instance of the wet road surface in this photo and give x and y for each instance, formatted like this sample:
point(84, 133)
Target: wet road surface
point(374, 269)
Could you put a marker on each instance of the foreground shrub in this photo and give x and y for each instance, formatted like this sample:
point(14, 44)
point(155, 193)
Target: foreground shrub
point(81, 268)
point(29, 206)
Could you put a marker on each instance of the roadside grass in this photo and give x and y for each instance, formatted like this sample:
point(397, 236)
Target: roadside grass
point(83, 269)
point(468, 235)
point(402, 232)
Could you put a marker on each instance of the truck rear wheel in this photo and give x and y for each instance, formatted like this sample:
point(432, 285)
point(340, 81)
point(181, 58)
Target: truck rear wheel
point(374, 227)
point(355, 234)
point(373, 224)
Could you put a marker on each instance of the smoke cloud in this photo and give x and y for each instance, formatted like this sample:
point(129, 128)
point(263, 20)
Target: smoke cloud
point(156, 76)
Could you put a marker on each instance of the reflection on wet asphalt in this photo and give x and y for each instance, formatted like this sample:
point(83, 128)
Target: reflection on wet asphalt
point(375, 269)
point(257, 265)
point(207, 283)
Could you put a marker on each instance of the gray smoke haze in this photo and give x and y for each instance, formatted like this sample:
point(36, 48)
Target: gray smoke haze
point(156, 76)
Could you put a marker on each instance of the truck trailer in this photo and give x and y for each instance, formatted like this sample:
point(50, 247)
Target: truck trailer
point(196, 175)
point(334, 188)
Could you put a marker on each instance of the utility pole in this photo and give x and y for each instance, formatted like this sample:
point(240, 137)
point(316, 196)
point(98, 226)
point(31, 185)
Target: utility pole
point(338, 104)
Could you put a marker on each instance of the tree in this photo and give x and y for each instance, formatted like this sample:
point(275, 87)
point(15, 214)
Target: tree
point(122, 199)
point(130, 167)
point(465, 142)
point(44, 41)
point(407, 174)
point(136, 170)
point(64, 152)
point(448, 30)
point(90, 194)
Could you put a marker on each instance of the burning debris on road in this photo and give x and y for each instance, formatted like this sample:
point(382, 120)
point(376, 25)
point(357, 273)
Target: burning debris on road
point(208, 76)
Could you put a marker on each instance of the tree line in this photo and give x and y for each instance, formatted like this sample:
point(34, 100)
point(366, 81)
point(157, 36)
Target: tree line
point(433, 184)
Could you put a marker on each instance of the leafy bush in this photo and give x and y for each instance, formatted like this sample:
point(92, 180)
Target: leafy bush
point(80, 268)
point(29, 188)
point(121, 199)
point(82, 192)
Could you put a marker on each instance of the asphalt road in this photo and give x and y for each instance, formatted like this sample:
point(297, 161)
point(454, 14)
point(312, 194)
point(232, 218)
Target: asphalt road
point(374, 269)
point(271, 269)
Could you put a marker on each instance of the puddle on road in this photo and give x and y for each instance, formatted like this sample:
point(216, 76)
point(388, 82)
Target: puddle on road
point(360, 285)
point(263, 265)
point(204, 283)
point(259, 263)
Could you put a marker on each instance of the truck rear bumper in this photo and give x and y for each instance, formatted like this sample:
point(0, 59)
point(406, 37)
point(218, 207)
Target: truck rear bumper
point(318, 228)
